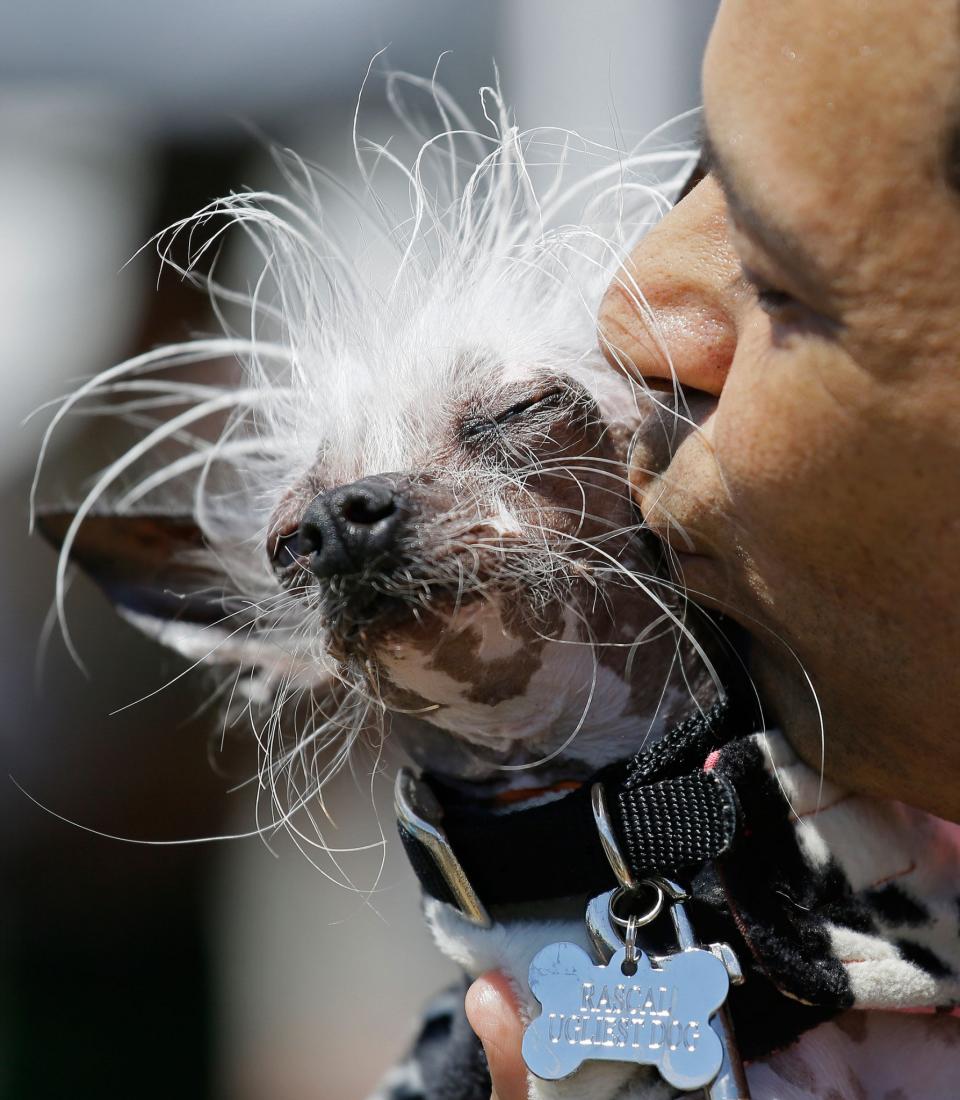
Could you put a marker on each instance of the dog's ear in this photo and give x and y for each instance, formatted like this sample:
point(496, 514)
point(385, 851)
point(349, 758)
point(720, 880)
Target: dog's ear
point(149, 565)
point(158, 571)
point(165, 580)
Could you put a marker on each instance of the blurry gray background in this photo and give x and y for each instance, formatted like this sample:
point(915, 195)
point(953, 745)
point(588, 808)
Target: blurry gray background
point(219, 970)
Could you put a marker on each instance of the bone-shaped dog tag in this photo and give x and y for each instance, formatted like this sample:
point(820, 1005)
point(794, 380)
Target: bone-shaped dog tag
point(657, 1016)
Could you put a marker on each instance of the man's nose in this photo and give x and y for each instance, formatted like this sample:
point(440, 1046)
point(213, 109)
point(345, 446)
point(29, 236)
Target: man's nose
point(670, 312)
point(349, 528)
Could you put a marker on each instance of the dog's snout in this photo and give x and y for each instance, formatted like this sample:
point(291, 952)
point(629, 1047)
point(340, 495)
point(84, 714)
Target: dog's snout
point(348, 528)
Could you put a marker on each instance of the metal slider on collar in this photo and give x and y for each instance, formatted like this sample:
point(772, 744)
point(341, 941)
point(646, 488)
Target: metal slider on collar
point(730, 1080)
point(420, 816)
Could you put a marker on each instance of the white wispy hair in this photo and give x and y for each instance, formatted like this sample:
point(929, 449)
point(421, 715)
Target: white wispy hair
point(353, 358)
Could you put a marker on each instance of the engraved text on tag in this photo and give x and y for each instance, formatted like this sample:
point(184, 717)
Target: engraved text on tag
point(656, 1016)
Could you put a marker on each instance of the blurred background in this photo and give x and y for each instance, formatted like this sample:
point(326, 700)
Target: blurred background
point(228, 970)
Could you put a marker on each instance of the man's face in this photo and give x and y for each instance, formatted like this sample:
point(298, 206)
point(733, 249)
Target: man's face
point(811, 286)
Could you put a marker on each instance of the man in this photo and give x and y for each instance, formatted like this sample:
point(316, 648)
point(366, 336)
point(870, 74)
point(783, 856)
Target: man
point(810, 287)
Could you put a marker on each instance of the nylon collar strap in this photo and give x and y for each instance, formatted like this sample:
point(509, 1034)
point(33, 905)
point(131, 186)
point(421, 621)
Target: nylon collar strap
point(667, 811)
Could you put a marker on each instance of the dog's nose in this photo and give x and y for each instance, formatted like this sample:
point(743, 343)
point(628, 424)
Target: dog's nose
point(346, 529)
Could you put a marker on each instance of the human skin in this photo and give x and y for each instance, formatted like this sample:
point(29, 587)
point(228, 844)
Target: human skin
point(810, 287)
point(821, 497)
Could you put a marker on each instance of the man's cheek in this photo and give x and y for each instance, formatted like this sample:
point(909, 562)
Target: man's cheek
point(795, 468)
point(761, 478)
point(783, 423)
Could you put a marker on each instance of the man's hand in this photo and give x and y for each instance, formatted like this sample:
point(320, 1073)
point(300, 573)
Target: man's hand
point(494, 1016)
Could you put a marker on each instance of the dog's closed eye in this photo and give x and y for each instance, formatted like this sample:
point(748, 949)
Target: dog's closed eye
point(478, 427)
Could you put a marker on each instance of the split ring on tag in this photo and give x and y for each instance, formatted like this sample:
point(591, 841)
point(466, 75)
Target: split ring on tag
point(643, 918)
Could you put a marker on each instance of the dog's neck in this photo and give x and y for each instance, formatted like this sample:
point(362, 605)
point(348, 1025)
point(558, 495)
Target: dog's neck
point(502, 692)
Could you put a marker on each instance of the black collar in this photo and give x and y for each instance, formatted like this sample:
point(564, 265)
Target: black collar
point(667, 811)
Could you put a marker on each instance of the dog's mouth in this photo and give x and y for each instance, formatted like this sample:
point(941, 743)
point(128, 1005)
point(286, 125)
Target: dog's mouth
point(384, 554)
point(359, 612)
point(413, 596)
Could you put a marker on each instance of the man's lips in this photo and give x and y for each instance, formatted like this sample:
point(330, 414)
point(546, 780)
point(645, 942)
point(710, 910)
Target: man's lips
point(670, 541)
point(686, 565)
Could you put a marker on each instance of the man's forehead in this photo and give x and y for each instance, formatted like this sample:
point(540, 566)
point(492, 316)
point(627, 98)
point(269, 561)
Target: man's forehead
point(839, 95)
point(884, 33)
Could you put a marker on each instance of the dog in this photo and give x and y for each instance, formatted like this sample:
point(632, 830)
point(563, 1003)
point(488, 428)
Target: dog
point(413, 520)
point(416, 514)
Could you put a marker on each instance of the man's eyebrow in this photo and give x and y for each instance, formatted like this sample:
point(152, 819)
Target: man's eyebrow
point(779, 242)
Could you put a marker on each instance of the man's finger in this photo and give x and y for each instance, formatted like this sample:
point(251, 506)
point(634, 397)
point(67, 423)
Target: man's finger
point(494, 1016)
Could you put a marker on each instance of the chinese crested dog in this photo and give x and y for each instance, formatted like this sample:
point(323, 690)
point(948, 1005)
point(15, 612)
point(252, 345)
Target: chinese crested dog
point(410, 515)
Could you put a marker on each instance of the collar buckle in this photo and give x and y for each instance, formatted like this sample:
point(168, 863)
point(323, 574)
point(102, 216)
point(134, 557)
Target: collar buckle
point(419, 818)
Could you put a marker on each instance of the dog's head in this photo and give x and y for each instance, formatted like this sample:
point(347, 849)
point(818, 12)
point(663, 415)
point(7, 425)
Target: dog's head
point(486, 577)
point(419, 508)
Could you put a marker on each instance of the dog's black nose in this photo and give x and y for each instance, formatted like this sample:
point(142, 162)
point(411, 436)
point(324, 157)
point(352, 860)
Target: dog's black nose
point(346, 529)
